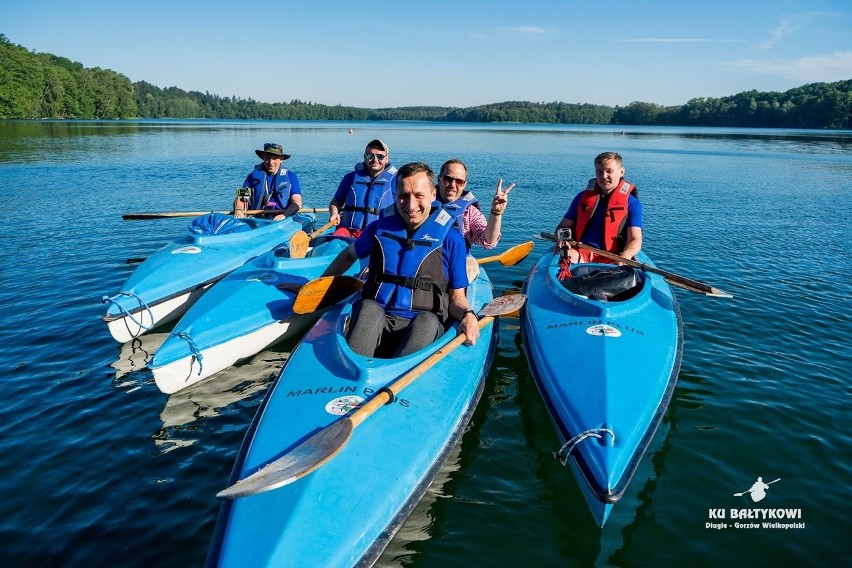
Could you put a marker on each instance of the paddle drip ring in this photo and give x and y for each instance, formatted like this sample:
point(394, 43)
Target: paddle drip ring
point(128, 315)
point(192, 347)
point(565, 451)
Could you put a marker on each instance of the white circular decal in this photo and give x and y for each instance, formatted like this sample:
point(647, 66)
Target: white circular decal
point(343, 405)
point(187, 250)
point(603, 330)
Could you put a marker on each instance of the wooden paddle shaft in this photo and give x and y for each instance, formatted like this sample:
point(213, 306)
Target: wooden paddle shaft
point(167, 214)
point(322, 229)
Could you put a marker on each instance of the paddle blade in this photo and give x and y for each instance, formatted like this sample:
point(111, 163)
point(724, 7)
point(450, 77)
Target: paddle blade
point(299, 243)
point(295, 464)
point(324, 292)
point(511, 256)
point(503, 305)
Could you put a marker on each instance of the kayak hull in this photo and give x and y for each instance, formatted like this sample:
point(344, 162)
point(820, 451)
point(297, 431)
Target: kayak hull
point(606, 371)
point(167, 283)
point(345, 512)
point(247, 311)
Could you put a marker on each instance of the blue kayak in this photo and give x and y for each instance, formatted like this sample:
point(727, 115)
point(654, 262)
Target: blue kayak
point(245, 312)
point(604, 348)
point(163, 287)
point(345, 512)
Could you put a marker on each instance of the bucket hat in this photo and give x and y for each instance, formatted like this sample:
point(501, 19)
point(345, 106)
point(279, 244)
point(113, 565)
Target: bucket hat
point(272, 150)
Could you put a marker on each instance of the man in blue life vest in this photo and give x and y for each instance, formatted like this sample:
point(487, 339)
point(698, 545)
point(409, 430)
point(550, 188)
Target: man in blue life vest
point(416, 281)
point(364, 192)
point(270, 186)
point(606, 215)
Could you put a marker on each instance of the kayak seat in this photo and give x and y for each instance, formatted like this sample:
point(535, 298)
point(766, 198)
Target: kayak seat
point(605, 283)
point(327, 245)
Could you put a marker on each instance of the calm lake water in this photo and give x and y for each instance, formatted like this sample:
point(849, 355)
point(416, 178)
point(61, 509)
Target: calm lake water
point(99, 468)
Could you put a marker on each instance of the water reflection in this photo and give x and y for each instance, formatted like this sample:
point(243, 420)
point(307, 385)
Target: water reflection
point(185, 408)
point(134, 356)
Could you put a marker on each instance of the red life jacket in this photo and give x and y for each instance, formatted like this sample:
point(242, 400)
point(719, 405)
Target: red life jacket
point(616, 212)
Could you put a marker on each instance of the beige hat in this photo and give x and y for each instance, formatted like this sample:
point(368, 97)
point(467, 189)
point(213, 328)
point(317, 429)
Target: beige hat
point(380, 144)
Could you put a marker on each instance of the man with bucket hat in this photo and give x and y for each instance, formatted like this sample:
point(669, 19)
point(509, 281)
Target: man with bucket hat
point(364, 192)
point(270, 186)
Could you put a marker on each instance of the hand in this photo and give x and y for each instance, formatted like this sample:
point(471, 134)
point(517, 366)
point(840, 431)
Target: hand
point(501, 198)
point(334, 218)
point(239, 213)
point(469, 325)
point(279, 218)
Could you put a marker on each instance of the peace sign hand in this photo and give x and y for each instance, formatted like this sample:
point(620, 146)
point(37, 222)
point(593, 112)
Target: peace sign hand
point(501, 199)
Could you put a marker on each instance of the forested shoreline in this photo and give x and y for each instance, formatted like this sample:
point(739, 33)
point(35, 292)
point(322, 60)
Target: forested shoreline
point(46, 86)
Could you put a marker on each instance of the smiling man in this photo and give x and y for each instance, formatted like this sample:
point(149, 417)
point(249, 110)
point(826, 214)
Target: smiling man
point(606, 215)
point(363, 192)
point(270, 186)
point(417, 279)
point(464, 207)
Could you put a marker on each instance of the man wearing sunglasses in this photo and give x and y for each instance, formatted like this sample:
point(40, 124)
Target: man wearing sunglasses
point(464, 207)
point(270, 186)
point(364, 192)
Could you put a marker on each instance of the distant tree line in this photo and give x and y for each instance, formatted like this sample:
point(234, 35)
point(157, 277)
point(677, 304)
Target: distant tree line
point(40, 85)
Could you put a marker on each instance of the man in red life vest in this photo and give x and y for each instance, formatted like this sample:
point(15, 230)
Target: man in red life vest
point(606, 215)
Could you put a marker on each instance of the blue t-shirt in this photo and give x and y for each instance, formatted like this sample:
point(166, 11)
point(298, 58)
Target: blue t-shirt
point(594, 232)
point(453, 254)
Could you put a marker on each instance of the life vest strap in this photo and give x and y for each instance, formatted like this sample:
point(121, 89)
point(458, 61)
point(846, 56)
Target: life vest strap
point(409, 242)
point(411, 282)
point(370, 210)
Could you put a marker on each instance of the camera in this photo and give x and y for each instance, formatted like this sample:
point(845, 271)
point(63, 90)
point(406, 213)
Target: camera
point(244, 192)
point(563, 235)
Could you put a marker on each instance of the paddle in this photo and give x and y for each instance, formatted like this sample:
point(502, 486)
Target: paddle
point(750, 490)
point(511, 256)
point(319, 448)
point(324, 292)
point(164, 215)
point(671, 277)
point(299, 243)
point(323, 229)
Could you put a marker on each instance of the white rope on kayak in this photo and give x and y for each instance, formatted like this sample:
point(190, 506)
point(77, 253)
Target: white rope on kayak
point(569, 446)
point(127, 314)
point(192, 347)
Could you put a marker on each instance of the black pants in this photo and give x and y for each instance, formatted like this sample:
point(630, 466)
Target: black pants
point(374, 333)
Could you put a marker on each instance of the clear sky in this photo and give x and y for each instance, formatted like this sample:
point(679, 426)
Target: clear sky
point(376, 53)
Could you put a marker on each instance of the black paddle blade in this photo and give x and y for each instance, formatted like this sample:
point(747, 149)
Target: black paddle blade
point(296, 463)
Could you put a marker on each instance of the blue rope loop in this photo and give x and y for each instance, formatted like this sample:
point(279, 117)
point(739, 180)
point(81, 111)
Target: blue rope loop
point(565, 451)
point(196, 354)
point(127, 314)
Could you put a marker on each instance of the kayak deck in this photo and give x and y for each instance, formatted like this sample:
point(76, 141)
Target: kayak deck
point(247, 311)
point(606, 371)
point(345, 512)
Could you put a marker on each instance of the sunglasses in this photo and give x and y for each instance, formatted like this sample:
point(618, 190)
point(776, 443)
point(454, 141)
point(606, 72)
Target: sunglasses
point(276, 147)
point(449, 180)
point(376, 157)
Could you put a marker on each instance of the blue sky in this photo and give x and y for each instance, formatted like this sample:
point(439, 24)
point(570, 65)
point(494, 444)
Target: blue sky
point(406, 53)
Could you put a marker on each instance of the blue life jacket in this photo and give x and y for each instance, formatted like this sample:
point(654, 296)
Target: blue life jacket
point(364, 199)
point(268, 192)
point(457, 208)
point(406, 273)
